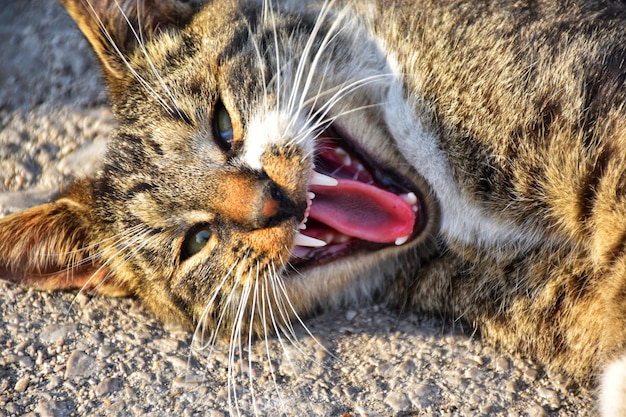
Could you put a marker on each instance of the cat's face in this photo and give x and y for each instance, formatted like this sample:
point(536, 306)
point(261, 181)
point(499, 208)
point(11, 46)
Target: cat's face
point(252, 176)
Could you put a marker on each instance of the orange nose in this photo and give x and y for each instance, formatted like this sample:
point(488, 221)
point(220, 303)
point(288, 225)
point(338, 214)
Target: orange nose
point(270, 208)
point(255, 203)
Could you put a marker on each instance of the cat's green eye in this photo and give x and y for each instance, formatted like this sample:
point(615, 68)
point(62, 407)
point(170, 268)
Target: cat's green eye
point(196, 239)
point(223, 126)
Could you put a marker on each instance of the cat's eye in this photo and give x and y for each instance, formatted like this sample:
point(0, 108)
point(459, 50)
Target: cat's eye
point(223, 126)
point(196, 239)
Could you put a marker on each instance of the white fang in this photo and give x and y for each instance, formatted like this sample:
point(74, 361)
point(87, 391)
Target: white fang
point(322, 180)
point(308, 241)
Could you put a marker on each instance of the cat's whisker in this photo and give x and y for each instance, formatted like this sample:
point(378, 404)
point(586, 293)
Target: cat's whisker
point(277, 328)
point(205, 313)
point(86, 286)
point(128, 237)
point(311, 103)
point(283, 289)
point(285, 320)
point(299, 90)
point(245, 305)
point(286, 324)
point(265, 305)
point(315, 129)
point(341, 91)
point(251, 324)
point(344, 91)
point(260, 66)
point(71, 265)
point(236, 336)
point(142, 46)
point(123, 58)
point(268, 10)
point(332, 33)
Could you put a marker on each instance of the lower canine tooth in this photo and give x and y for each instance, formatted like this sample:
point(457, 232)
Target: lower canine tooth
point(307, 241)
point(409, 198)
point(401, 240)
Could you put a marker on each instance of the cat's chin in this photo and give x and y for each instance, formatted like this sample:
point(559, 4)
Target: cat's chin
point(355, 205)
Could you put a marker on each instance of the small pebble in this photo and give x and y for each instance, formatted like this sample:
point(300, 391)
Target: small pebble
point(51, 409)
point(54, 333)
point(398, 401)
point(537, 411)
point(22, 384)
point(79, 364)
point(502, 364)
point(108, 386)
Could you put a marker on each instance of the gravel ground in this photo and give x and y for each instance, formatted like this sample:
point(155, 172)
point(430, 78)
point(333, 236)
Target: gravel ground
point(64, 354)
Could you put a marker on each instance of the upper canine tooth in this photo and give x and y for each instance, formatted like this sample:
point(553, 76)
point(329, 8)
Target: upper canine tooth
point(322, 180)
point(308, 241)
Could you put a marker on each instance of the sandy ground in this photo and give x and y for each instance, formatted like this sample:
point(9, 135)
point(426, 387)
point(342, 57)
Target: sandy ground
point(63, 354)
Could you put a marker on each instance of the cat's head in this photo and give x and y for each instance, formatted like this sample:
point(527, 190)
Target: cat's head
point(252, 175)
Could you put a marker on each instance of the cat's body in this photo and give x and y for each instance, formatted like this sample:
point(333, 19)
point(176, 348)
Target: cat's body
point(491, 136)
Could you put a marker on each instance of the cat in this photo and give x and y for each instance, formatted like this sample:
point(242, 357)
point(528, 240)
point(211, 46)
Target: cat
point(455, 157)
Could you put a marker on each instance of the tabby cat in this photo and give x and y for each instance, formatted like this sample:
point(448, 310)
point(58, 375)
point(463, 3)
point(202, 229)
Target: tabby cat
point(452, 156)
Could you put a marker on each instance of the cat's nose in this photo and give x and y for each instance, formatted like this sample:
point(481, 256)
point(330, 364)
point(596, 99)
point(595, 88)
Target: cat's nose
point(273, 206)
point(253, 201)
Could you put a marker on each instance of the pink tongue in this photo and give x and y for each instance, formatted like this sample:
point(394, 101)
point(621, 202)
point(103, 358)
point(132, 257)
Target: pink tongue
point(362, 211)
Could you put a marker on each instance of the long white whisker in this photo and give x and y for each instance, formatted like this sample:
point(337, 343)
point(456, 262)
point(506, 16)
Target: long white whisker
point(264, 308)
point(236, 333)
point(135, 74)
point(277, 56)
point(127, 244)
point(261, 66)
point(301, 67)
point(332, 32)
point(285, 322)
point(140, 41)
point(283, 289)
point(321, 113)
point(207, 309)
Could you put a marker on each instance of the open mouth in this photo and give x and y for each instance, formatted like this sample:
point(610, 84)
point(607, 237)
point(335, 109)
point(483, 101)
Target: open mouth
point(354, 204)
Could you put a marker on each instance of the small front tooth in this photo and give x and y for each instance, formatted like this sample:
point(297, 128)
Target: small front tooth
point(345, 157)
point(302, 226)
point(401, 240)
point(322, 180)
point(341, 239)
point(410, 198)
point(308, 241)
point(310, 195)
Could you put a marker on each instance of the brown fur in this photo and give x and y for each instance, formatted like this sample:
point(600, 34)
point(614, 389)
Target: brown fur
point(524, 99)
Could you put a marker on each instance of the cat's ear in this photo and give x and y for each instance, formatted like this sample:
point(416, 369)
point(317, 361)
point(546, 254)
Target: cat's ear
point(115, 28)
point(50, 247)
